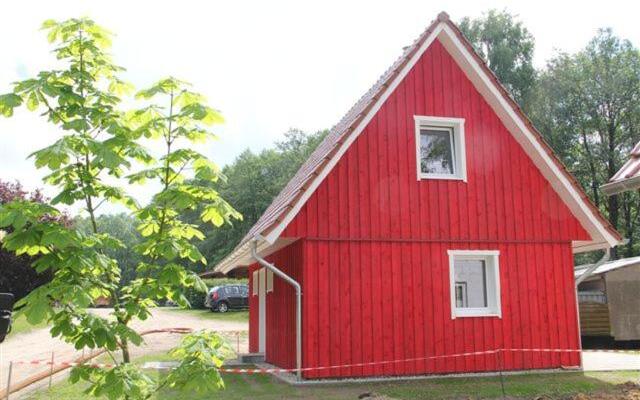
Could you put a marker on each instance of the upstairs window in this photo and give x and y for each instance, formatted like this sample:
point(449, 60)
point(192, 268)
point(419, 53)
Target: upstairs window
point(475, 283)
point(440, 148)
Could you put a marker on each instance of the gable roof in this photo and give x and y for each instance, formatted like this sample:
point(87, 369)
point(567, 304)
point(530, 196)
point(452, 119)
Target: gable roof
point(287, 204)
point(628, 177)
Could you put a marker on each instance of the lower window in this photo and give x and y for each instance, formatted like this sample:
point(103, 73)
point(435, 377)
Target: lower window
point(475, 283)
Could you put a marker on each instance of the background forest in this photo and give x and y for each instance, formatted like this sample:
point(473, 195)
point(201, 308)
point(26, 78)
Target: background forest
point(587, 106)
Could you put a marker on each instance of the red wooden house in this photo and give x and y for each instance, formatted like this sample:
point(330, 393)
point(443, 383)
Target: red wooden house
point(432, 221)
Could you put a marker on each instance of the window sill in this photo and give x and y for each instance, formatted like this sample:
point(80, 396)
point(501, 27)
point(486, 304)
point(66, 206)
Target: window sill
point(422, 177)
point(476, 314)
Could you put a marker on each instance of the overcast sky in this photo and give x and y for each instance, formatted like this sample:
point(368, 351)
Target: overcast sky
point(267, 65)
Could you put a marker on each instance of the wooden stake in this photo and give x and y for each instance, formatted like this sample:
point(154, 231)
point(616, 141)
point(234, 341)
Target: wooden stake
point(9, 380)
point(51, 370)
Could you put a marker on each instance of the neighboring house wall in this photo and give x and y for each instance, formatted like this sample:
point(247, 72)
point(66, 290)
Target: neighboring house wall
point(595, 284)
point(623, 286)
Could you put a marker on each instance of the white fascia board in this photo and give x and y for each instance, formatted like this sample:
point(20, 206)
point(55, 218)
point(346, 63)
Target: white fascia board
point(242, 256)
point(582, 246)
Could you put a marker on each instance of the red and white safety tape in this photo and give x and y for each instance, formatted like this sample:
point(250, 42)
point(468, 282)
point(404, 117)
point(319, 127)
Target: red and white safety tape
point(232, 332)
point(379, 363)
point(63, 363)
point(330, 367)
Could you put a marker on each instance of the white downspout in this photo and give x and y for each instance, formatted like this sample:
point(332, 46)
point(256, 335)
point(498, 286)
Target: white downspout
point(298, 288)
point(587, 273)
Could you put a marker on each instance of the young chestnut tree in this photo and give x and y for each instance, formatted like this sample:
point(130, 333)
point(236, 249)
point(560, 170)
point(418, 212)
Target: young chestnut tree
point(99, 152)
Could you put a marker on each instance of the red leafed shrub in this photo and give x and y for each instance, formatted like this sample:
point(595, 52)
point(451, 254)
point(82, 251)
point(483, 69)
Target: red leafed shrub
point(16, 274)
point(11, 191)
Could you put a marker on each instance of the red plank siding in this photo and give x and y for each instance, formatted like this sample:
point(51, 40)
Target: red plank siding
point(375, 239)
point(450, 336)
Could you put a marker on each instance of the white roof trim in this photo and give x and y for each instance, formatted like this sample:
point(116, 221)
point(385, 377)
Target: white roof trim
point(242, 255)
point(622, 185)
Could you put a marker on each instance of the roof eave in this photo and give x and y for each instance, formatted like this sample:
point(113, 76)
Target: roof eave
point(241, 256)
point(620, 186)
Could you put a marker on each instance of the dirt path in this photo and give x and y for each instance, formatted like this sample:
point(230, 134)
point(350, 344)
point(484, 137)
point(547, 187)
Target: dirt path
point(38, 345)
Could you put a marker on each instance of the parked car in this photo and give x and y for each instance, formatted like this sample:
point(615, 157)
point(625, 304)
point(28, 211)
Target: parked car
point(224, 298)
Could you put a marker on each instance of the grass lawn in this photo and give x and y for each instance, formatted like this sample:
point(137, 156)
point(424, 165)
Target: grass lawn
point(231, 315)
point(266, 387)
point(20, 325)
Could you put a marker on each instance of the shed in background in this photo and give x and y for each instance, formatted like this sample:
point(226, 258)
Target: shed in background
point(609, 300)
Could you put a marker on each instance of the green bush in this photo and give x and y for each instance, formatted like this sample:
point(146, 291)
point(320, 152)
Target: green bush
point(196, 299)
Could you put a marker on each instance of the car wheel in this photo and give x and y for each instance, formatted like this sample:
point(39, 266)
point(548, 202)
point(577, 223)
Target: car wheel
point(223, 307)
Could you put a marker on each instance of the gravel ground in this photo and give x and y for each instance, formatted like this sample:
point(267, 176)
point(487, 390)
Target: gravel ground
point(38, 344)
point(610, 361)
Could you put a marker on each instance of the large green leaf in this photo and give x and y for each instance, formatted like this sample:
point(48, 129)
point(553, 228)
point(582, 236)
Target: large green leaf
point(8, 102)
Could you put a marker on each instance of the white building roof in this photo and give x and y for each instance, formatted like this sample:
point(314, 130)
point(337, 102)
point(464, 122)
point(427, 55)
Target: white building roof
point(608, 266)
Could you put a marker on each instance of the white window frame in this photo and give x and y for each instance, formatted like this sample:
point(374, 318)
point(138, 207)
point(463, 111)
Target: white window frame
point(494, 300)
point(269, 280)
point(456, 126)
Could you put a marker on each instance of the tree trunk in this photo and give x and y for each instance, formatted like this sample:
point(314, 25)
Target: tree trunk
point(613, 204)
point(592, 170)
point(126, 357)
point(628, 222)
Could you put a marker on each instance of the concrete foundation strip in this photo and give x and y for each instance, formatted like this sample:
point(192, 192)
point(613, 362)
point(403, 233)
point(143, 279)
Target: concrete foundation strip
point(386, 362)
